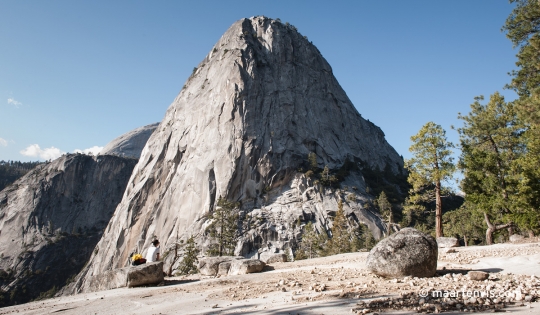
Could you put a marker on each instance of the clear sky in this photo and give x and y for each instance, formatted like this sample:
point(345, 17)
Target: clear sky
point(76, 74)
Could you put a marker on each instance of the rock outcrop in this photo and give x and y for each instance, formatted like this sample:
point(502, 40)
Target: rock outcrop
point(408, 252)
point(447, 242)
point(229, 265)
point(242, 128)
point(52, 218)
point(130, 144)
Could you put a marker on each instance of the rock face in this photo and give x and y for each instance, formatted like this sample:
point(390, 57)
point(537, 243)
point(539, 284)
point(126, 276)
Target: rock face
point(447, 242)
point(52, 218)
point(408, 252)
point(131, 143)
point(242, 128)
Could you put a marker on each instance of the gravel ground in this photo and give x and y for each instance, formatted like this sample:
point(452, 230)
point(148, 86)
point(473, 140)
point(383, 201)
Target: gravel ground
point(332, 285)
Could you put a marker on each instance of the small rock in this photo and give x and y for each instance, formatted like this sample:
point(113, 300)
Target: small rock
point(478, 275)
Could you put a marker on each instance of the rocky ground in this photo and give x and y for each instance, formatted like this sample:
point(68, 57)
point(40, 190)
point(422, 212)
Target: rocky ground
point(332, 285)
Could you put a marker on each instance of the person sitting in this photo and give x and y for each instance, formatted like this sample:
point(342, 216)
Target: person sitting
point(153, 252)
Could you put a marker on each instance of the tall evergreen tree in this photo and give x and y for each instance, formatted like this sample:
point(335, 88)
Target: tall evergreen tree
point(224, 228)
point(491, 146)
point(309, 246)
point(385, 209)
point(188, 264)
point(430, 166)
point(522, 28)
point(341, 237)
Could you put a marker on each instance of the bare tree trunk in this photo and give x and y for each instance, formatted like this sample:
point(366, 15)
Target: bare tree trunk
point(438, 210)
point(465, 240)
point(493, 228)
point(531, 233)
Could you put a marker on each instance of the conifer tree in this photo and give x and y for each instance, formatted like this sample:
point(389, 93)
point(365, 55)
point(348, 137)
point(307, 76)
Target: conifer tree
point(224, 228)
point(385, 209)
point(430, 166)
point(491, 148)
point(188, 265)
point(310, 243)
point(341, 238)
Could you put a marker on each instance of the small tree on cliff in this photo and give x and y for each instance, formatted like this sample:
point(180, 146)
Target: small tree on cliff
point(188, 264)
point(224, 228)
point(385, 209)
point(431, 164)
point(309, 245)
point(341, 238)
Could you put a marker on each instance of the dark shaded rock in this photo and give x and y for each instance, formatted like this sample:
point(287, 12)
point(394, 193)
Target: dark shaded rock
point(145, 274)
point(447, 242)
point(408, 252)
point(52, 218)
point(245, 266)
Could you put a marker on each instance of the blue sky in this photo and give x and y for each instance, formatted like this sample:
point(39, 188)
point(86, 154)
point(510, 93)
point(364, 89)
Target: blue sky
point(76, 74)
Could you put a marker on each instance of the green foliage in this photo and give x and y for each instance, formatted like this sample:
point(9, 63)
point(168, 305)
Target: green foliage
point(224, 228)
point(465, 224)
point(10, 171)
point(312, 161)
point(491, 145)
point(432, 161)
point(522, 27)
point(341, 237)
point(431, 165)
point(385, 209)
point(188, 265)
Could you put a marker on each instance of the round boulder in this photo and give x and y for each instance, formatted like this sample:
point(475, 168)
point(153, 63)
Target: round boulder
point(408, 252)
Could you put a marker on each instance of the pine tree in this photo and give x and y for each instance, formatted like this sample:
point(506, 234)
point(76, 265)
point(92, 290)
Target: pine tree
point(385, 209)
point(310, 243)
point(430, 166)
point(491, 148)
point(312, 160)
point(341, 238)
point(224, 228)
point(522, 28)
point(188, 265)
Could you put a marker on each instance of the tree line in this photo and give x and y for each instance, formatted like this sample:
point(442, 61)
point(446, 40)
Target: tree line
point(10, 171)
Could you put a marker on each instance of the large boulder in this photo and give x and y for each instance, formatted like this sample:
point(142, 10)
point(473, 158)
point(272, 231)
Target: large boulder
point(269, 258)
point(408, 252)
point(447, 242)
point(209, 266)
point(132, 276)
point(245, 266)
point(145, 274)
